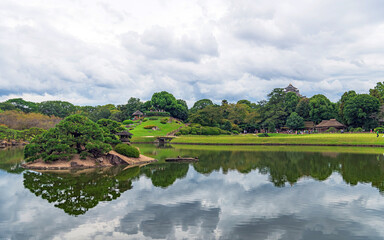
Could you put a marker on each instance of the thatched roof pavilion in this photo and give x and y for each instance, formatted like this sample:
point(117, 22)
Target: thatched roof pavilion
point(138, 113)
point(326, 124)
point(309, 125)
point(124, 136)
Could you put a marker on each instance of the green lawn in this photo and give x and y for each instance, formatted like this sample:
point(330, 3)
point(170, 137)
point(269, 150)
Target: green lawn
point(147, 135)
point(326, 138)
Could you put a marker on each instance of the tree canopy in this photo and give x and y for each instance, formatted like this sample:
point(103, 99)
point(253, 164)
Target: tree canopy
point(75, 134)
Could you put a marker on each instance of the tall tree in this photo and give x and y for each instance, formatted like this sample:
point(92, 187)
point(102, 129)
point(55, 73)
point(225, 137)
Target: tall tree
point(23, 105)
point(132, 105)
point(295, 122)
point(202, 103)
point(321, 108)
point(57, 108)
point(360, 111)
point(303, 108)
point(344, 98)
point(291, 101)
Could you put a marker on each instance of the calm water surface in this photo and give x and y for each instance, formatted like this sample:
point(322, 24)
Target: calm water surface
point(232, 193)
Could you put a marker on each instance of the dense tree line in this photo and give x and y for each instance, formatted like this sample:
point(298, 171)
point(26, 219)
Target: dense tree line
point(279, 110)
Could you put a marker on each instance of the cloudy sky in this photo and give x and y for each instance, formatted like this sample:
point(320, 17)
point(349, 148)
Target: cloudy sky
point(97, 52)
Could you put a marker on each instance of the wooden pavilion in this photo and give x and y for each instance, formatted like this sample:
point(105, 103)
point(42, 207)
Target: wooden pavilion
point(309, 125)
point(137, 115)
point(326, 124)
point(124, 136)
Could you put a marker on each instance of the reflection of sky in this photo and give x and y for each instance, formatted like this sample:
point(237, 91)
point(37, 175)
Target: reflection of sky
point(218, 206)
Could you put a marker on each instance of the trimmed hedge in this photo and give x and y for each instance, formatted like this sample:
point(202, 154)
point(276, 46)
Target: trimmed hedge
point(263, 135)
point(126, 122)
point(153, 118)
point(127, 150)
point(160, 114)
point(149, 126)
point(202, 131)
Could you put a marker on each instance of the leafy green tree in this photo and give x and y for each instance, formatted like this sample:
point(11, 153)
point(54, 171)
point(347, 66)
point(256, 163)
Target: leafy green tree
point(57, 108)
point(166, 101)
point(321, 108)
point(344, 98)
point(291, 101)
point(23, 105)
point(359, 111)
point(110, 128)
point(375, 93)
point(378, 91)
point(295, 122)
point(163, 101)
point(273, 111)
point(132, 105)
point(303, 108)
point(75, 134)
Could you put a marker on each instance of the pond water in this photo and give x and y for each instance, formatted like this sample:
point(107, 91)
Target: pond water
point(231, 193)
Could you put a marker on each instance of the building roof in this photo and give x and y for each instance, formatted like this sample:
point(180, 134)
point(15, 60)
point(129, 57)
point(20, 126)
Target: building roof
point(309, 124)
point(124, 133)
point(290, 87)
point(137, 113)
point(330, 123)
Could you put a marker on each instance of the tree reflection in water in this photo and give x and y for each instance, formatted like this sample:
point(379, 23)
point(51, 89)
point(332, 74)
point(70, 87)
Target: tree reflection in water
point(79, 192)
point(76, 193)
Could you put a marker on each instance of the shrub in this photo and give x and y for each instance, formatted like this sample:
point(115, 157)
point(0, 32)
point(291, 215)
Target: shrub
point(235, 132)
point(153, 118)
point(145, 119)
point(149, 126)
point(127, 150)
point(178, 134)
point(358, 129)
point(380, 129)
point(160, 114)
point(210, 131)
point(263, 135)
point(164, 120)
point(127, 122)
point(185, 130)
point(331, 130)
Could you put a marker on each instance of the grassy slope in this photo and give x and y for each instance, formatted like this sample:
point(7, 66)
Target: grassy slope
point(337, 138)
point(143, 135)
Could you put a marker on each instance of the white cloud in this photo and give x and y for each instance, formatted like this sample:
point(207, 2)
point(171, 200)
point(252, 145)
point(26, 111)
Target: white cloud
point(102, 52)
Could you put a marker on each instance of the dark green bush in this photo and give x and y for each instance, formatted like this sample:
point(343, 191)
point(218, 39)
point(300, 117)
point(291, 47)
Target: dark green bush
point(127, 150)
point(164, 120)
point(127, 122)
point(153, 118)
point(185, 130)
point(380, 129)
point(331, 130)
point(149, 126)
point(263, 135)
point(160, 114)
point(358, 129)
point(178, 134)
point(145, 119)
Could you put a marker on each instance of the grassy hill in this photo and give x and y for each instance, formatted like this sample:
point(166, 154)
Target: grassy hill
point(140, 134)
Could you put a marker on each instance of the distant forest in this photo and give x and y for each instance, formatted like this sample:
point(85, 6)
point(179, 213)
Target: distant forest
point(281, 109)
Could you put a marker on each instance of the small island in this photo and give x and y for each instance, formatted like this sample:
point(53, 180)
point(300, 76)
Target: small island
point(77, 142)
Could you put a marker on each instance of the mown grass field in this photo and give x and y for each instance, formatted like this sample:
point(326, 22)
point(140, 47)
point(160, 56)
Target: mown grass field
point(326, 138)
point(148, 149)
point(140, 134)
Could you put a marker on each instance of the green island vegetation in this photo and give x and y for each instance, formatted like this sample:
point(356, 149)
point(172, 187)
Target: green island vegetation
point(127, 150)
point(76, 134)
point(286, 117)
